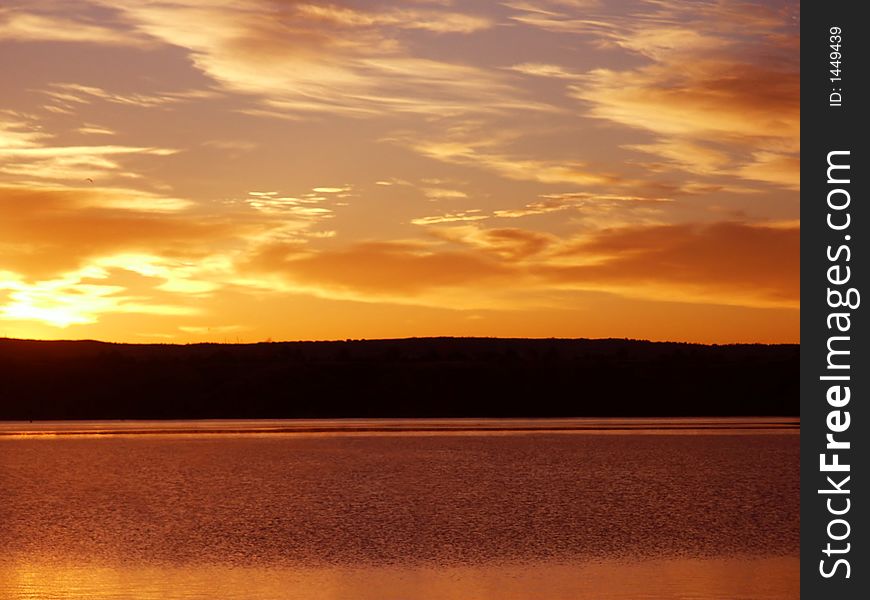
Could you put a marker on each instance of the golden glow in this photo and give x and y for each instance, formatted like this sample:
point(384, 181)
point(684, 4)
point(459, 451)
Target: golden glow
point(674, 577)
point(320, 170)
point(68, 300)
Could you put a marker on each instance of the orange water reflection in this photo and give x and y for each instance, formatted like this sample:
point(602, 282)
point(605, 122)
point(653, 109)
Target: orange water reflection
point(682, 514)
point(770, 578)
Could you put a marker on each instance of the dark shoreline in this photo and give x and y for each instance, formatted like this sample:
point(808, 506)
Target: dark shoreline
point(387, 426)
point(418, 377)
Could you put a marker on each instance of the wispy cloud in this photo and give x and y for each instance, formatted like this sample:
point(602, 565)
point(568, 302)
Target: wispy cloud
point(297, 57)
point(434, 21)
point(91, 129)
point(544, 70)
point(26, 151)
point(468, 215)
point(761, 266)
point(509, 243)
point(654, 261)
point(65, 97)
point(440, 193)
point(584, 201)
point(18, 132)
point(23, 24)
point(513, 167)
point(723, 93)
point(71, 162)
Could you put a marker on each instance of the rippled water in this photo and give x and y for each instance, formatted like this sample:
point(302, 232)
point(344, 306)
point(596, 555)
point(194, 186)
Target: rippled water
point(624, 513)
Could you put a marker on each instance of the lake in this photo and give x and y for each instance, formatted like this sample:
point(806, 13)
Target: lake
point(551, 509)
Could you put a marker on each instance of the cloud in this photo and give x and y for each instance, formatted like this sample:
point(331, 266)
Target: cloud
point(725, 93)
point(468, 215)
point(689, 155)
point(18, 133)
point(21, 25)
point(561, 17)
point(91, 129)
point(293, 207)
point(584, 201)
point(773, 167)
point(434, 21)
point(587, 210)
point(73, 256)
point(722, 263)
point(544, 70)
point(232, 147)
point(294, 216)
point(65, 97)
point(25, 151)
point(724, 99)
point(297, 58)
point(45, 231)
point(725, 263)
point(378, 270)
point(69, 301)
point(438, 193)
point(511, 244)
point(71, 162)
point(511, 167)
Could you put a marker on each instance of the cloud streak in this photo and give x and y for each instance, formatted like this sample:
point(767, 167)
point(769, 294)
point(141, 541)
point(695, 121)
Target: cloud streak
point(726, 262)
point(760, 268)
point(26, 151)
point(724, 93)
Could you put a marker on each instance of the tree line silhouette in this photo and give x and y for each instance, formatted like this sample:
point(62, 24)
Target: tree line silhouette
point(418, 377)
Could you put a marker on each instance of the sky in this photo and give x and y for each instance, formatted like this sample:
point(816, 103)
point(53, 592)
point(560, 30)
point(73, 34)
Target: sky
point(252, 170)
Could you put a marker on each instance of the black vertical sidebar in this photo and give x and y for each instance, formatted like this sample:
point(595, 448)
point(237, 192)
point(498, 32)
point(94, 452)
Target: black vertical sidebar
point(835, 368)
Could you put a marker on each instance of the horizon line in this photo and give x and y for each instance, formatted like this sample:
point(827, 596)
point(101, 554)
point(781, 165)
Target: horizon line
point(397, 339)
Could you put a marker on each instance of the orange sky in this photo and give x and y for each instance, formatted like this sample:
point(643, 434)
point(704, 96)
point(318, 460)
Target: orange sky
point(210, 170)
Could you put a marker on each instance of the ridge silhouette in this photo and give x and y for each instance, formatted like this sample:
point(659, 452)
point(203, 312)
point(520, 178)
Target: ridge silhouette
point(416, 377)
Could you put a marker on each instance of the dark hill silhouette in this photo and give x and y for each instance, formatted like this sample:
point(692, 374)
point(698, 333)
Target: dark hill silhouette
point(420, 377)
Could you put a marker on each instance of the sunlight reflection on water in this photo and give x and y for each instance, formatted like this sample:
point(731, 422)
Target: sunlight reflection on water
point(478, 515)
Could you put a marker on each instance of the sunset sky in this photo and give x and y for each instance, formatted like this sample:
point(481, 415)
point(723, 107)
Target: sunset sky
point(223, 170)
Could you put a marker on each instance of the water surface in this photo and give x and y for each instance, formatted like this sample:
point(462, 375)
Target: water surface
point(703, 509)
